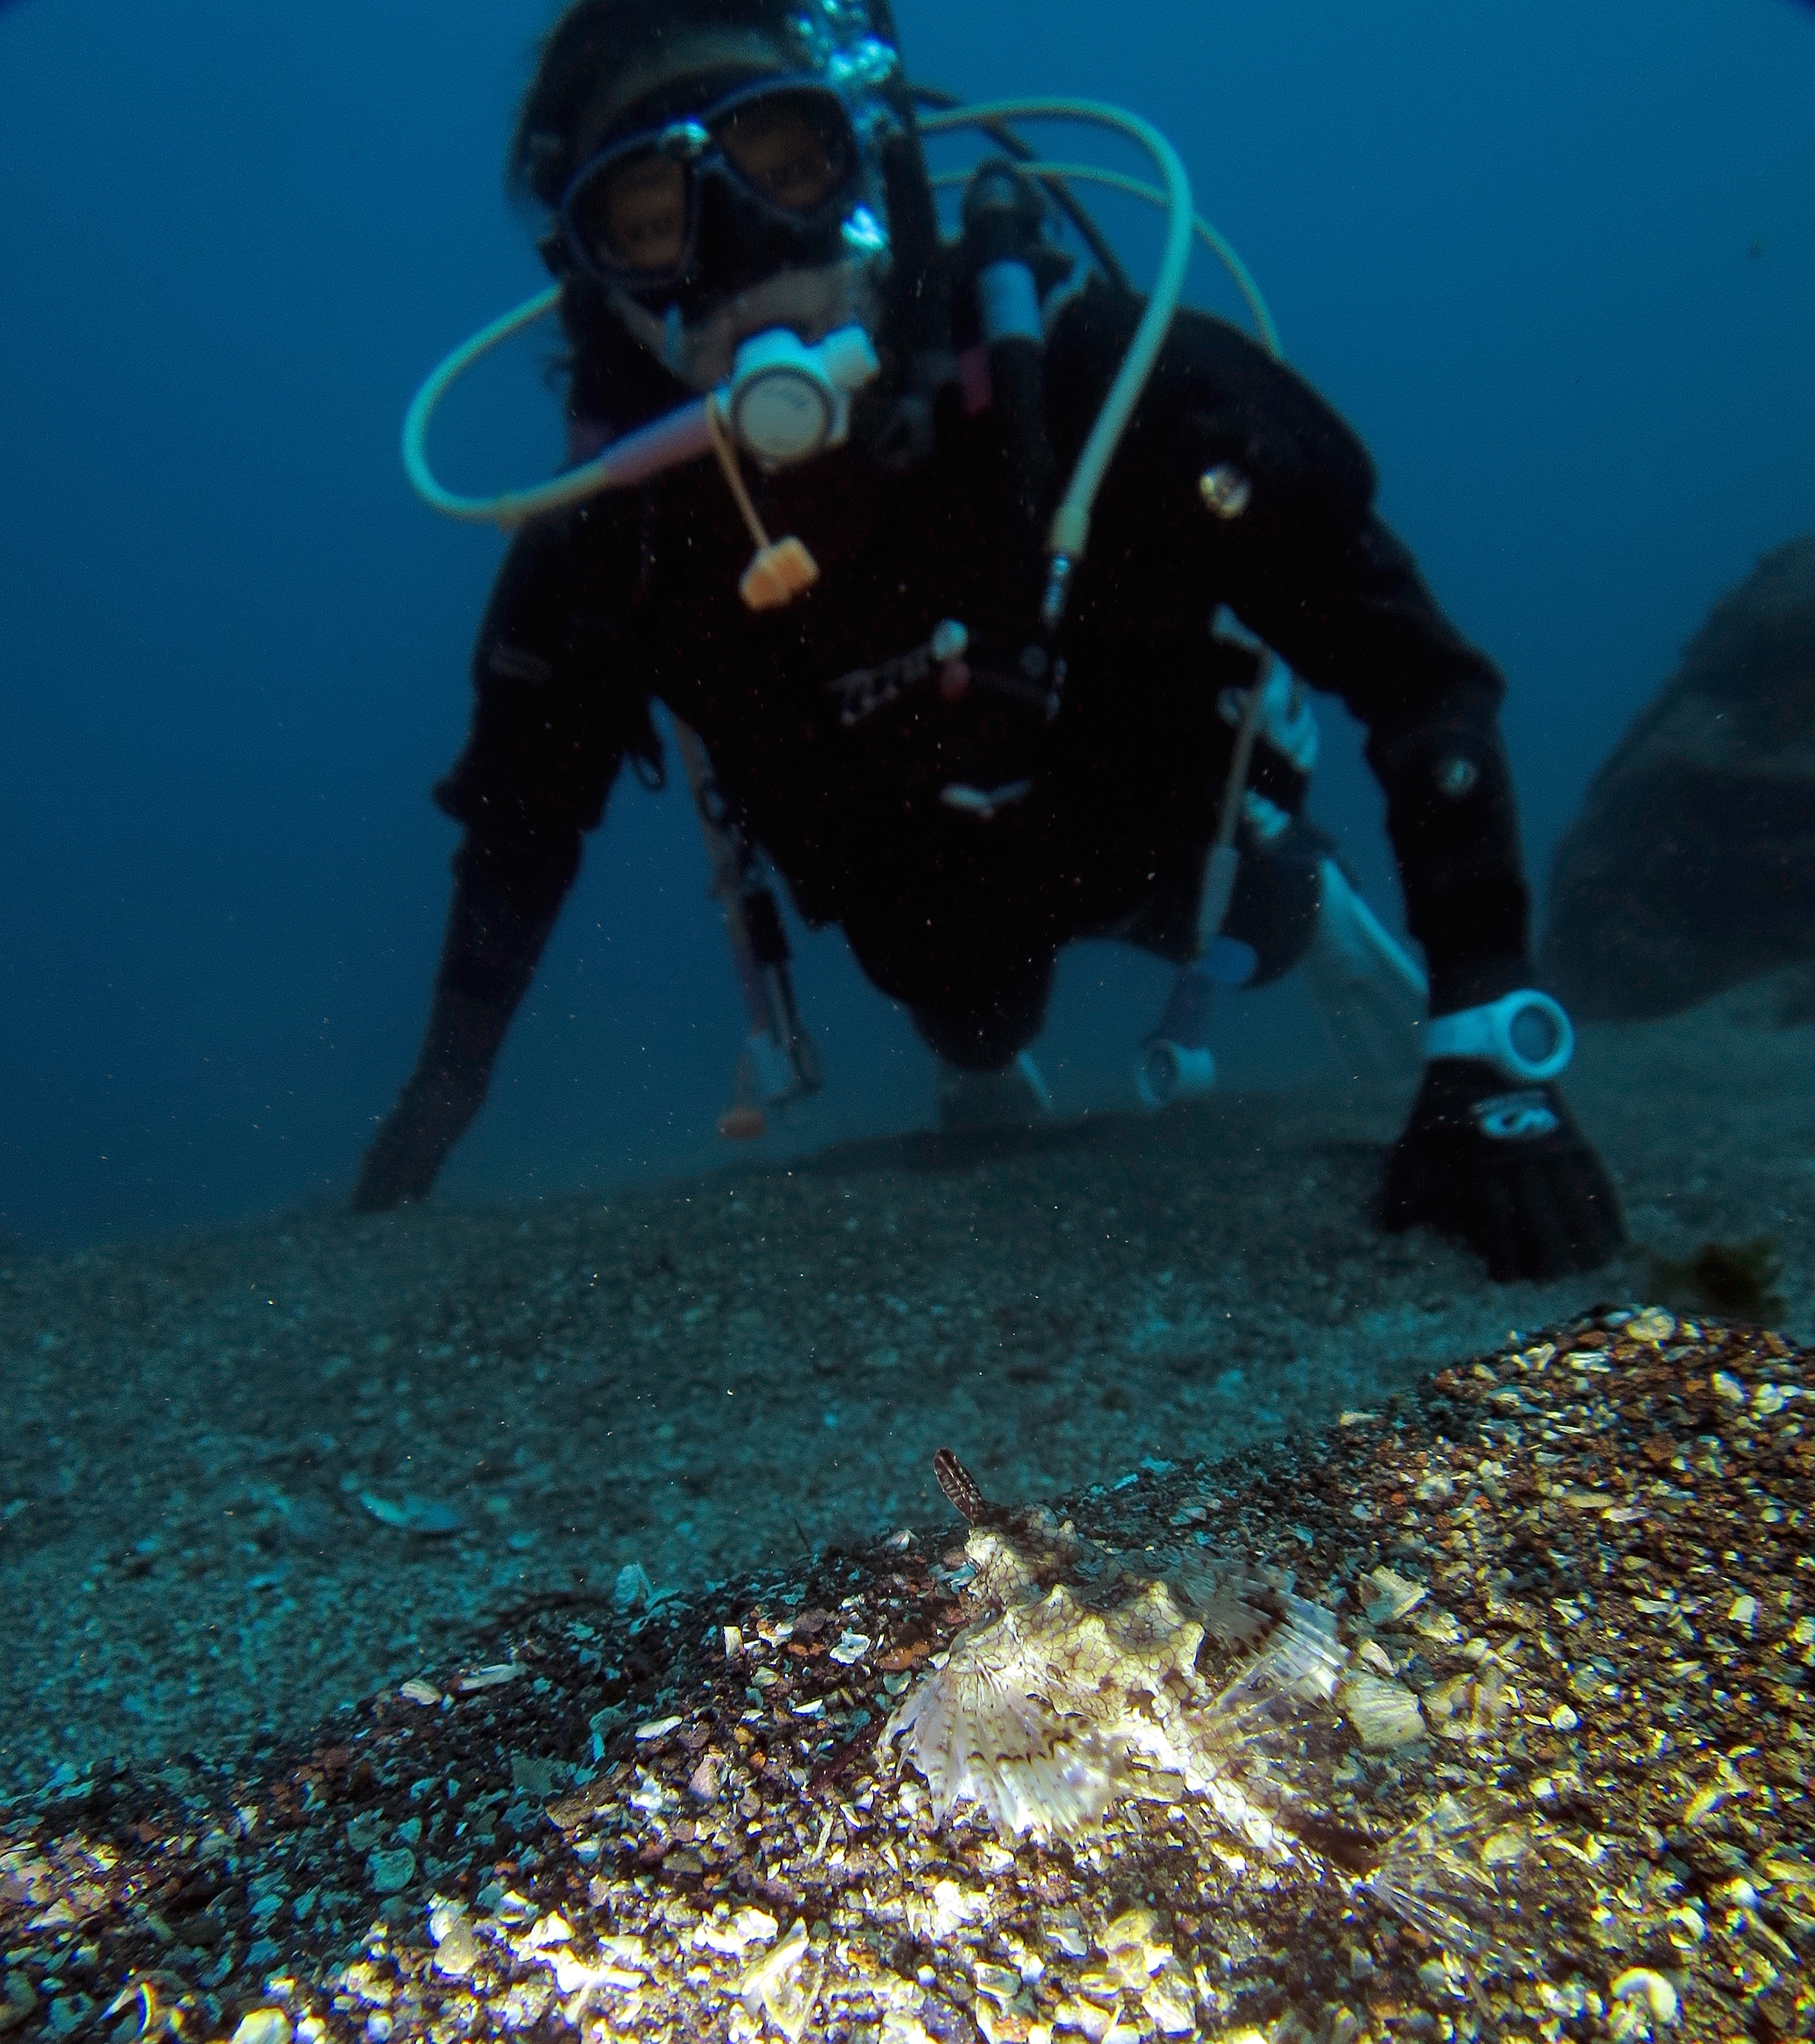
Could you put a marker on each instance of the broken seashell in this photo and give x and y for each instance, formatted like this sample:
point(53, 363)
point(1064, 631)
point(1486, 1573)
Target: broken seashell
point(998, 1982)
point(390, 1873)
point(489, 1678)
point(769, 1985)
point(1385, 1596)
point(632, 1590)
point(1654, 1326)
point(1658, 1995)
point(456, 1948)
point(742, 1929)
point(413, 1515)
point(1168, 1999)
point(263, 2025)
point(1384, 1714)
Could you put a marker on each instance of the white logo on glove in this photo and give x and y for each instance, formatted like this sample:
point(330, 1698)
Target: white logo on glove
point(1515, 1117)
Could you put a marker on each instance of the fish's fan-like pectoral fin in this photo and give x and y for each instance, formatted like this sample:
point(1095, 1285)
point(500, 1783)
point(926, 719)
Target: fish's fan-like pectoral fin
point(1298, 1658)
point(1467, 1876)
point(964, 1490)
point(1266, 1749)
point(1291, 1642)
point(977, 1739)
point(1303, 1657)
point(1277, 1752)
point(1227, 1605)
point(1059, 1784)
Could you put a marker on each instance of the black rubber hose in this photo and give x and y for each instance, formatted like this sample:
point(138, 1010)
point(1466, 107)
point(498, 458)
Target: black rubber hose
point(1062, 197)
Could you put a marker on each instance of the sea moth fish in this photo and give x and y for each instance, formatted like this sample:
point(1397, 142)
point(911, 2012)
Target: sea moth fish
point(1092, 1676)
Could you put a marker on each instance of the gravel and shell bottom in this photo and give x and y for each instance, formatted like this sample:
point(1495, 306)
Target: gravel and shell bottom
point(681, 1822)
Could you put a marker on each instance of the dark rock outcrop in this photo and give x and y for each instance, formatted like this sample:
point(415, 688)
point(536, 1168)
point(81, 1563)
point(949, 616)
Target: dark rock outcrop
point(1692, 865)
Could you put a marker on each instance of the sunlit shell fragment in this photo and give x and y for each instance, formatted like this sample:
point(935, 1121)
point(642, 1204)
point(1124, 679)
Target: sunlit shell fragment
point(1386, 1596)
point(1640, 1983)
point(1384, 1714)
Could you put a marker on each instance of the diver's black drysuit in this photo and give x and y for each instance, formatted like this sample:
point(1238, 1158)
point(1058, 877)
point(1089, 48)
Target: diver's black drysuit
point(634, 597)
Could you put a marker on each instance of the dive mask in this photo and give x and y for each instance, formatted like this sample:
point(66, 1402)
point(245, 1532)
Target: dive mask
point(784, 153)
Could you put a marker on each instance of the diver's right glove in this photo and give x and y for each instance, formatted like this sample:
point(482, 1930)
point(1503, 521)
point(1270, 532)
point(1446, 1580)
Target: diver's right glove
point(1499, 1162)
point(437, 1103)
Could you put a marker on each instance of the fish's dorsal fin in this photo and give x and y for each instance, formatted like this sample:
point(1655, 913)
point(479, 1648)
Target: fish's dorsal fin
point(966, 1495)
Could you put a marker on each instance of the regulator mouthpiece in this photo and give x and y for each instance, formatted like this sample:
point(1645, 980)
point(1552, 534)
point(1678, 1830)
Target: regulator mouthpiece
point(787, 401)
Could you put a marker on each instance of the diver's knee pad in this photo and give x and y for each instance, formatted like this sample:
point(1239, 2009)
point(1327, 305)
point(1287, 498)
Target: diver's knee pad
point(1015, 1097)
point(987, 1037)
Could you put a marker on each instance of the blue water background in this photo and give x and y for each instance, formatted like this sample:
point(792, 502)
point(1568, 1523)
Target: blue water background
point(1557, 263)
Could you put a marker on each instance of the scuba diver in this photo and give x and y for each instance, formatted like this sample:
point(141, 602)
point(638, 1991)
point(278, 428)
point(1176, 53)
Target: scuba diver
point(980, 589)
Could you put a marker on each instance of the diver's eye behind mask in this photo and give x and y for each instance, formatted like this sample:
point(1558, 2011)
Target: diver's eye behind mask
point(787, 147)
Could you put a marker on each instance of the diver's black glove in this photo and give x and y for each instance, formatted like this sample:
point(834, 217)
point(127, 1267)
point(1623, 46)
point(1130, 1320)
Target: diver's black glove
point(438, 1101)
point(1500, 1162)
